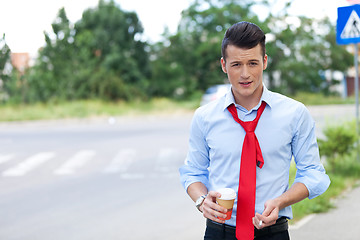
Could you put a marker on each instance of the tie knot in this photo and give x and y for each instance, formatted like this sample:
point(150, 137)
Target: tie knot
point(249, 127)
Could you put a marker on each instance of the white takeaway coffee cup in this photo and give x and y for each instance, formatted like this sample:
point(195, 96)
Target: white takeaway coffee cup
point(226, 200)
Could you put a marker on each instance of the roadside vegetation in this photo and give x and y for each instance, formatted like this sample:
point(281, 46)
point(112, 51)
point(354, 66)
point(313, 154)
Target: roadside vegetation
point(102, 108)
point(92, 108)
point(338, 152)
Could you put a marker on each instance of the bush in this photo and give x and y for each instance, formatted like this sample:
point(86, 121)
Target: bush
point(341, 165)
point(339, 140)
point(339, 143)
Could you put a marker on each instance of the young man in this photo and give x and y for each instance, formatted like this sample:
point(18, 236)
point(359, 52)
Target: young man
point(224, 153)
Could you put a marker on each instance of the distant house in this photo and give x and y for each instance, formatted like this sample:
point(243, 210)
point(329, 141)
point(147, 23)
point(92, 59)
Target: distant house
point(348, 81)
point(20, 61)
point(350, 86)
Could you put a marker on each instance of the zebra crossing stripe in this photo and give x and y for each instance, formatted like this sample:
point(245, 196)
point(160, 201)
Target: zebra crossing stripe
point(29, 164)
point(75, 162)
point(121, 162)
point(164, 160)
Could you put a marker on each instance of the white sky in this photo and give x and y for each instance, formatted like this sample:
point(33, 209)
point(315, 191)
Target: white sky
point(24, 21)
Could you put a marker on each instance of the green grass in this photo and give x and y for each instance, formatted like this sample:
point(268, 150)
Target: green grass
point(320, 99)
point(92, 108)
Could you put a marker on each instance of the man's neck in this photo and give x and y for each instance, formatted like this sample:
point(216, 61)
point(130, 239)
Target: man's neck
point(249, 102)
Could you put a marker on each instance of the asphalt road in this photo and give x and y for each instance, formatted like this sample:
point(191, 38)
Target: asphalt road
point(93, 180)
point(339, 223)
point(100, 179)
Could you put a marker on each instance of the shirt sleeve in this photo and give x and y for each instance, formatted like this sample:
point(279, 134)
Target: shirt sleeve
point(310, 170)
point(196, 164)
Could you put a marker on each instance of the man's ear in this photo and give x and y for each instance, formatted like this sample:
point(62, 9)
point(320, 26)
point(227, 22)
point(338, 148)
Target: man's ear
point(265, 61)
point(223, 65)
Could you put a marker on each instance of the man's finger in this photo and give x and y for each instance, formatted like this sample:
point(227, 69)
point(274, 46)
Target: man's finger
point(258, 223)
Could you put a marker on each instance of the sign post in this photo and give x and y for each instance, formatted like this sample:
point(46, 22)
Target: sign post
point(348, 31)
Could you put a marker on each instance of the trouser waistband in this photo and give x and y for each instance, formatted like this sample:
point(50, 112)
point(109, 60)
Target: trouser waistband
point(280, 225)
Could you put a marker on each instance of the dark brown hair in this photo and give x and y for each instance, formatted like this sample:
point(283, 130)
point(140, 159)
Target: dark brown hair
point(243, 35)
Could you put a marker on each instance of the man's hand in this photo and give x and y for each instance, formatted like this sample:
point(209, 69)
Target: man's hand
point(269, 216)
point(211, 209)
point(296, 193)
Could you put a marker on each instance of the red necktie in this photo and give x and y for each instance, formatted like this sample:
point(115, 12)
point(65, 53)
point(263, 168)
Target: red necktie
point(250, 158)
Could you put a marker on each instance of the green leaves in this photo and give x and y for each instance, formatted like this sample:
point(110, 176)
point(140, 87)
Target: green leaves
point(98, 57)
point(103, 50)
point(303, 48)
point(4, 54)
point(189, 61)
point(338, 146)
point(339, 141)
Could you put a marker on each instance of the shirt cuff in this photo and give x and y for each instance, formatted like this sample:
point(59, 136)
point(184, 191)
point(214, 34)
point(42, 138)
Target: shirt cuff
point(316, 182)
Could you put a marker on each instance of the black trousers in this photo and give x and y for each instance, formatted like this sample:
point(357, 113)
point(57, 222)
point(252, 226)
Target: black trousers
point(223, 233)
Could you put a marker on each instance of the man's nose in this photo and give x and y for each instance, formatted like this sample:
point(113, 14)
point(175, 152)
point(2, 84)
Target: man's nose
point(245, 72)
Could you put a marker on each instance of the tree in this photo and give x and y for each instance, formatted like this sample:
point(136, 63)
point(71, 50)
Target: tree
point(109, 40)
point(52, 76)
point(101, 56)
point(4, 63)
point(190, 60)
point(302, 50)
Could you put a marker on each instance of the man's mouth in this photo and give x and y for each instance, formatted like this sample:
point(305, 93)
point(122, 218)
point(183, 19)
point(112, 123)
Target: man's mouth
point(245, 83)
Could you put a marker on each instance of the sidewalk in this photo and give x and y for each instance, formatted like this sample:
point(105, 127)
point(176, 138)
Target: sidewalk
point(342, 222)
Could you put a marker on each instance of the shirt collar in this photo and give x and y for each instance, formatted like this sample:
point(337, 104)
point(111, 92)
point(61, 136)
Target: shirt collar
point(266, 97)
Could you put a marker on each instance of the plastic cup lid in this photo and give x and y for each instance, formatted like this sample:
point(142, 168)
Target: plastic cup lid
point(227, 193)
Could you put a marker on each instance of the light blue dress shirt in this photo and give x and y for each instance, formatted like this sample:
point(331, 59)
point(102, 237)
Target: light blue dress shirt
point(285, 131)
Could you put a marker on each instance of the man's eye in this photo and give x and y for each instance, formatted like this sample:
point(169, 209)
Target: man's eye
point(235, 65)
point(253, 63)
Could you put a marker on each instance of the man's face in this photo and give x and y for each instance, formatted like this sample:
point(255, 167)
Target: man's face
point(244, 68)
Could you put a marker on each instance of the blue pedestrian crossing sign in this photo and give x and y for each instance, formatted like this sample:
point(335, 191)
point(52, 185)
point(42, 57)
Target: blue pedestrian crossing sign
point(348, 25)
